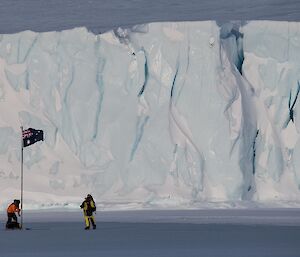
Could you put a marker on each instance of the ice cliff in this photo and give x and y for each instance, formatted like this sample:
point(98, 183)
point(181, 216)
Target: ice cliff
point(163, 114)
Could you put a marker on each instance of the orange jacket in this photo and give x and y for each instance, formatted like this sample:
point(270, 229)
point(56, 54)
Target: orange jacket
point(13, 208)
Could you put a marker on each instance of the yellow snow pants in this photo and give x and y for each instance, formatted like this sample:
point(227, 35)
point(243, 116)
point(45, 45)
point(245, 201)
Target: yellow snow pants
point(87, 220)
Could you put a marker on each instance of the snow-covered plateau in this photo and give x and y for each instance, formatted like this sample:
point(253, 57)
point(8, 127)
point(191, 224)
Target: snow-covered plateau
point(162, 115)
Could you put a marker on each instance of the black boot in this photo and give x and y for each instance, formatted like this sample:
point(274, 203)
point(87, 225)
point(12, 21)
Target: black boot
point(86, 228)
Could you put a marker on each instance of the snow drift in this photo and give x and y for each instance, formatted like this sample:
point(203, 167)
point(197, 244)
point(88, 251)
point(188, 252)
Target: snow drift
point(167, 114)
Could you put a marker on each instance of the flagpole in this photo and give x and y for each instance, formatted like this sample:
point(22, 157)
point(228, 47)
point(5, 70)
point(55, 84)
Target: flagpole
point(32, 136)
point(22, 177)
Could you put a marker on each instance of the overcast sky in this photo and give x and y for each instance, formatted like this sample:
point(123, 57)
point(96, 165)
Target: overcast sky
point(102, 15)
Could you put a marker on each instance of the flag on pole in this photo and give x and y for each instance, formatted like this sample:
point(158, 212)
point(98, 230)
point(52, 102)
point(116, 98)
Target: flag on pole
point(31, 136)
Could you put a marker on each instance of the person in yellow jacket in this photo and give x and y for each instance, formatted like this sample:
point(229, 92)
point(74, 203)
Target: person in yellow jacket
point(12, 209)
point(89, 207)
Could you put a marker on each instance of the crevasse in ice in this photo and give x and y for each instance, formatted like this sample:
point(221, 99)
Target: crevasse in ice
point(160, 114)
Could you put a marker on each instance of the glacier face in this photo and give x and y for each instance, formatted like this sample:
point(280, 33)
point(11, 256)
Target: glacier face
point(167, 114)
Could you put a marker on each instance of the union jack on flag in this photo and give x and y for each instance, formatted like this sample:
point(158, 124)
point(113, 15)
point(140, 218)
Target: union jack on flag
point(31, 136)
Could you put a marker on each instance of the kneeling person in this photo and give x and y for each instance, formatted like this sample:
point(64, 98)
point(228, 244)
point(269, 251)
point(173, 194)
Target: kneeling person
point(12, 220)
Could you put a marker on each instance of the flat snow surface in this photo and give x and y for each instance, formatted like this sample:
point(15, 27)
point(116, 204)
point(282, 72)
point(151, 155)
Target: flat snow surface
point(103, 15)
point(240, 233)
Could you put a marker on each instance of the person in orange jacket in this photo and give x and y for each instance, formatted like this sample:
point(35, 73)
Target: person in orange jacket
point(12, 209)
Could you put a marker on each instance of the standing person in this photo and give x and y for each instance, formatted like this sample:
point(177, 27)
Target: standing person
point(89, 207)
point(12, 209)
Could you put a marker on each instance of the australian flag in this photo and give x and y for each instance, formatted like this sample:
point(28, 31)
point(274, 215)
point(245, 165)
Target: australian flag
point(31, 136)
